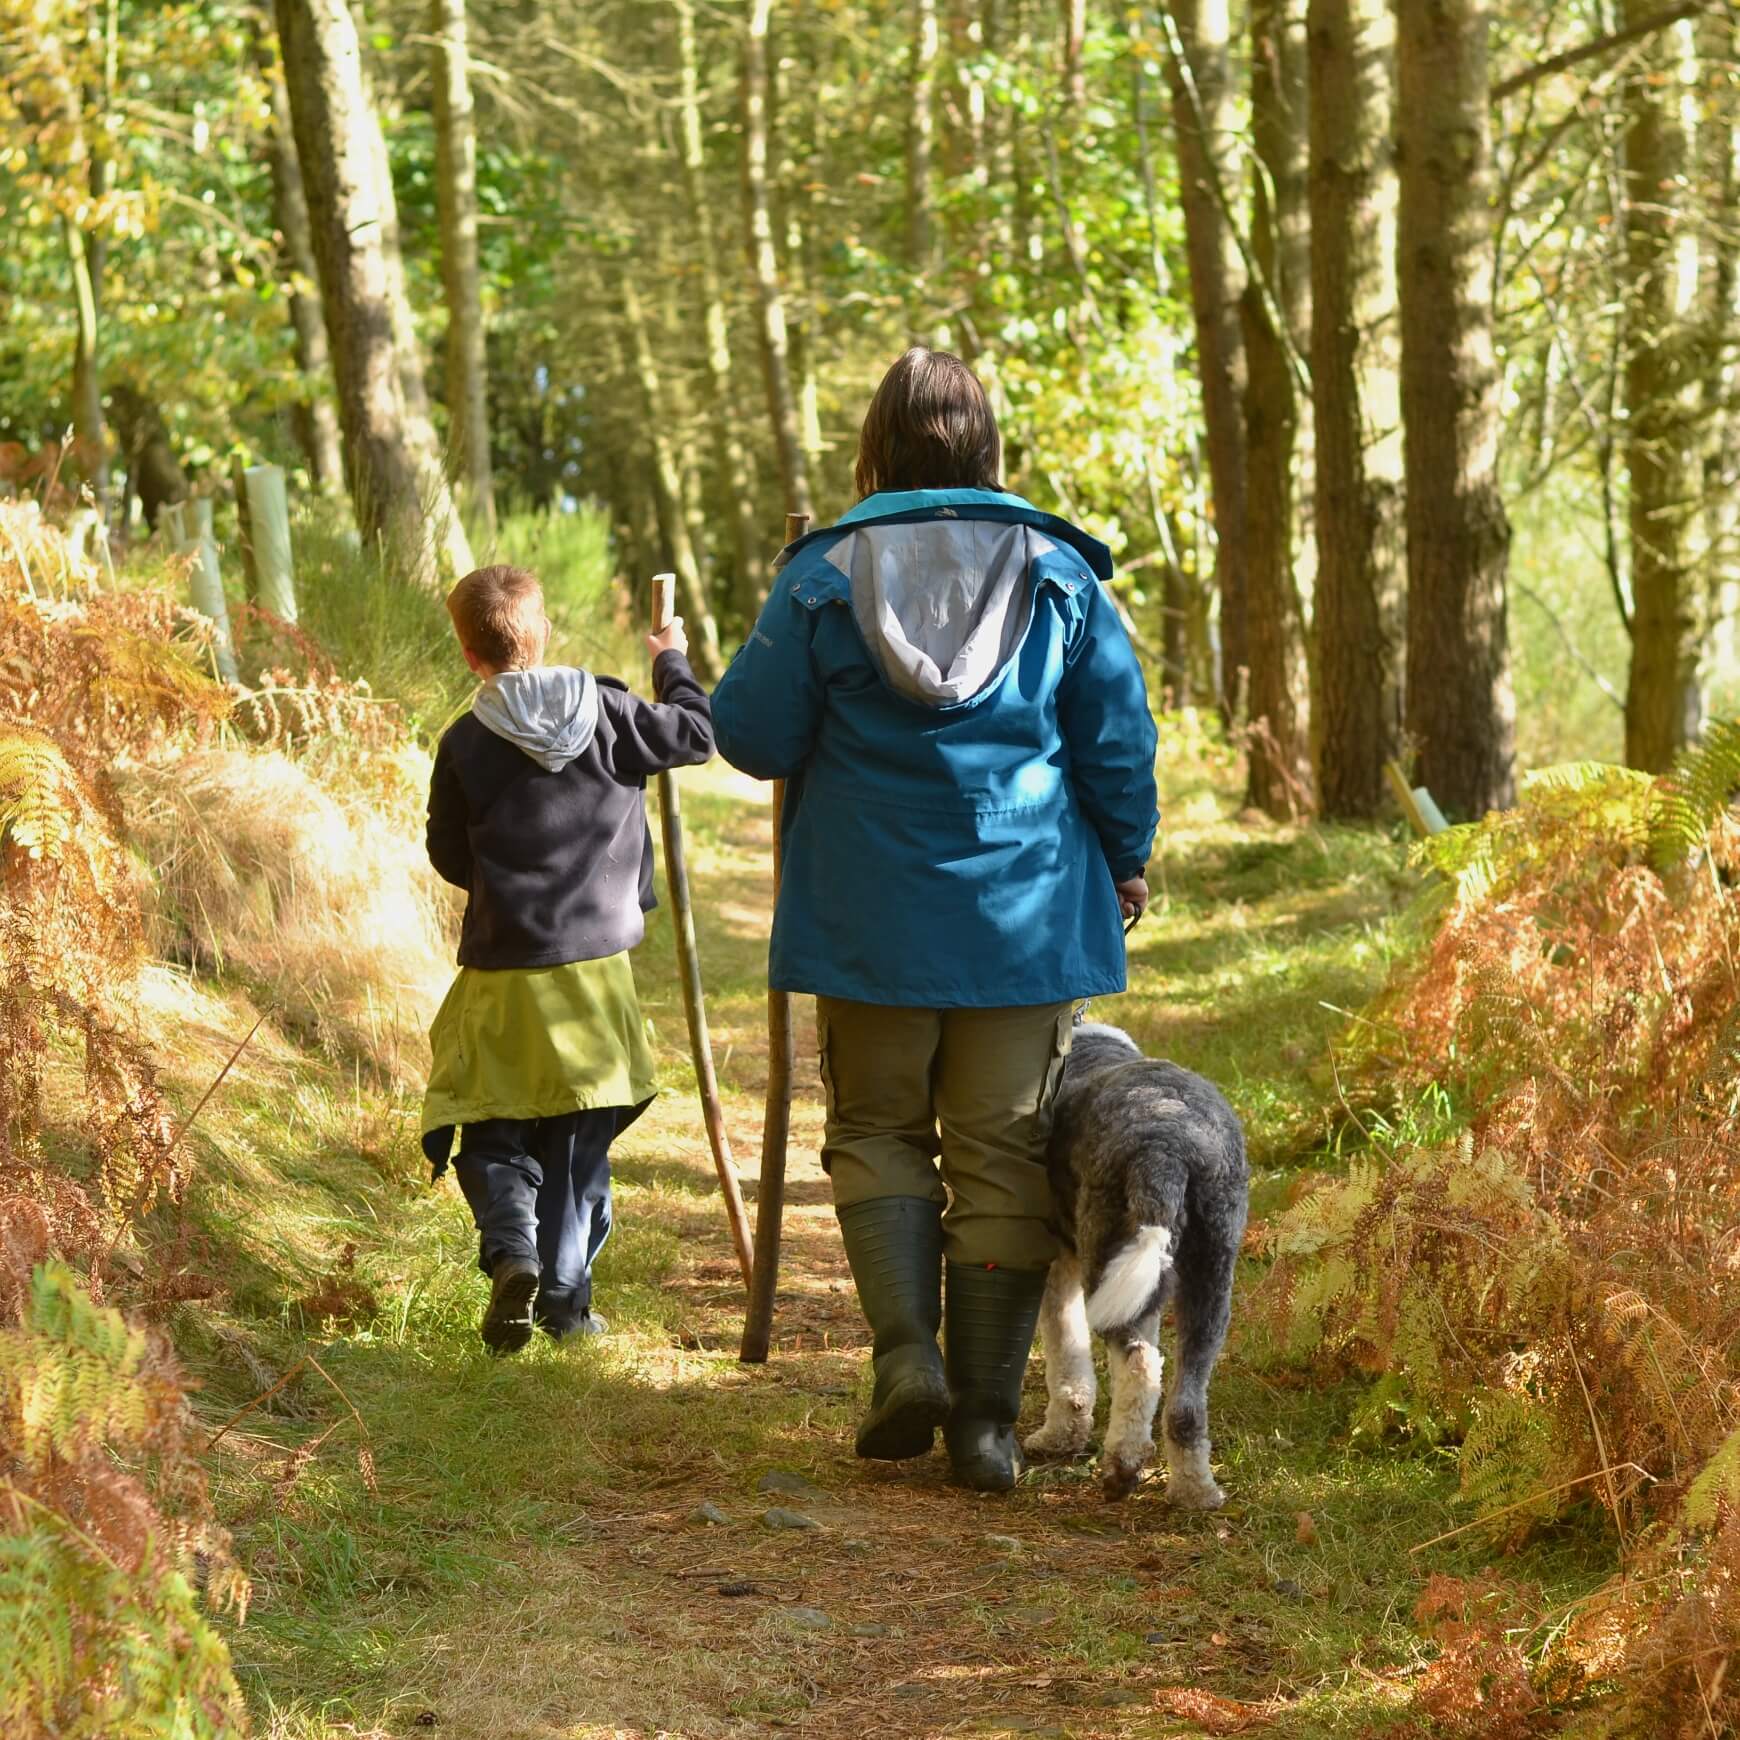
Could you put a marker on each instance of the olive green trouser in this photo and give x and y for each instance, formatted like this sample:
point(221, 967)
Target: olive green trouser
point(971, 1086)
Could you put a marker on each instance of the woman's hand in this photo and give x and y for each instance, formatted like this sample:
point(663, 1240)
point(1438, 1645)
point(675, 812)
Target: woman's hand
point(670, 638)
point(1133, 897)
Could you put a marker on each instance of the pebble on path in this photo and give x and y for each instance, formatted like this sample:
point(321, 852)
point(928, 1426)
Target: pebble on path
point(708, 1512)
point(805, 1619)
point(777, 1517)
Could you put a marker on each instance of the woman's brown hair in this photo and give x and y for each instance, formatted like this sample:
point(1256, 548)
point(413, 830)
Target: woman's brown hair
point(929, 426)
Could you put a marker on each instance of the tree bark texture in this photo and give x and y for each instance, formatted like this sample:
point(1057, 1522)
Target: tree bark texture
point(89, 434)
point(749, 570)
point(1280, 744)
point(313, 418)
point(1662, 456)
point(672, 497)
point(468, 460)
point(1073, 23)
point(1203, 123)
point(792, 204)
point(1461, 710)
point(396, 484)
point(1718, 169)
point(920, 139)
point(1356, 410)
point(764, 265)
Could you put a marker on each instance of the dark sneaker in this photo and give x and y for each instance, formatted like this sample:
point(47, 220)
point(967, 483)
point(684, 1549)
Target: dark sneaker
point(507, 1321)
point(587, 1323)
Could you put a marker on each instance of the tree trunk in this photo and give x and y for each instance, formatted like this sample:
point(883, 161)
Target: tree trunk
point(1461, 710)
point(920, 131)
point(792, 201)
point(749, 570)
point(312, 417)
point(1661, 394)
point(668, 479)
point(1719, 170)
point(84, 271)
point(764, 265)
point(1074, 35)
point(1356, 412)
point(468, 462)
point(1203, 122)
point(1280, 743)
point(89, 435)
point(400, 495)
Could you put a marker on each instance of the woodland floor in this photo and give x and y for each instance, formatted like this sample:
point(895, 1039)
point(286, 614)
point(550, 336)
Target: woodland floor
point(528, 1564)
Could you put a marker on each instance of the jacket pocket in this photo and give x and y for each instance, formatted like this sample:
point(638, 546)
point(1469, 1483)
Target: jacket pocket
point(1064, 1036)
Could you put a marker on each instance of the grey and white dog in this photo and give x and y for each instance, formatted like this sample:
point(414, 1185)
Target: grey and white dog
point(1151, 1187)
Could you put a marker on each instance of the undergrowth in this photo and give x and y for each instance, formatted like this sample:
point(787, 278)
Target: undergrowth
point(1553, 1293)
point(104, 1525)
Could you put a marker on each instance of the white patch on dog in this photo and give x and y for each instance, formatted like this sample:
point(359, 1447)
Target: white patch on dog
point(1136, 1373)
point(1189, 1483)
point(1069, 1365)
point(1130, 1280)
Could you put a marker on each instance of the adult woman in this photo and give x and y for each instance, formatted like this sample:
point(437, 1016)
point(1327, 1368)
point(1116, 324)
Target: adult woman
point(969, 757)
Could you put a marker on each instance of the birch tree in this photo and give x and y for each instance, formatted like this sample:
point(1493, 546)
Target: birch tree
point(764, 264)
point(397, 488)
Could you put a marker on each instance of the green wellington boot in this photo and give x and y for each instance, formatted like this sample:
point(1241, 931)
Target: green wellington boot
point(992, 1314)
point(894, 1244)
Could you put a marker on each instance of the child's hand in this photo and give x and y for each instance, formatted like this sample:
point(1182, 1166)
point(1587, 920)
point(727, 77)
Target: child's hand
point(668, 639)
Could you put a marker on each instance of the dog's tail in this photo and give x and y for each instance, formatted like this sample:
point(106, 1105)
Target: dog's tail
point(1130, 1279)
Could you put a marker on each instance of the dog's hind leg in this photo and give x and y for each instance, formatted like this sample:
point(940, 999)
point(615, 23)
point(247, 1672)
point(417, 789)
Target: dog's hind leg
point(1204, 1309)
point(1134, 1365)
point(1069, 1365)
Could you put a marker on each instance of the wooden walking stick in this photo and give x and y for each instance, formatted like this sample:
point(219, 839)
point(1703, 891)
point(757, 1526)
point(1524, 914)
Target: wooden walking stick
point(776, 1120)
point(689, 965)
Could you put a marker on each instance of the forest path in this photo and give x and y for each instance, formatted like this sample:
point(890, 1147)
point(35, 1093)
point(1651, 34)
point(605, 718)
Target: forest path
point(535, 1564)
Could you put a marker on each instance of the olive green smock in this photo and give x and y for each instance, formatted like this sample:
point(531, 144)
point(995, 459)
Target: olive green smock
point(535, 1042)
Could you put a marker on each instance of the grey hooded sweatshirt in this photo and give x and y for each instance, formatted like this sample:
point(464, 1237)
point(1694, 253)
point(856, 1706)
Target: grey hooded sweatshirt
point(537, 809)
point(550, 712)
point(943, 605)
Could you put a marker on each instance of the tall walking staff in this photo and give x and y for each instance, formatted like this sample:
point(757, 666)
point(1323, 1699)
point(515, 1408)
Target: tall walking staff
point(689, 965)
point(776, 1122)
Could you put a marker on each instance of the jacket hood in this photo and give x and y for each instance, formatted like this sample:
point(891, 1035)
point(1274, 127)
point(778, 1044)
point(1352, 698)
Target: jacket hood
point(550, 712)
point(943, 604)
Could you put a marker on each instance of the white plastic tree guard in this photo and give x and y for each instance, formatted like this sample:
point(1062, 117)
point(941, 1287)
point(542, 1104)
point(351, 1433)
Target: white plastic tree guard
point(269, 530)
point(190, 527)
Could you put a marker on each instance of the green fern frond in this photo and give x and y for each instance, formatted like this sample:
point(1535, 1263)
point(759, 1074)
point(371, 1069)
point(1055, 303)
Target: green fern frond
point(1693, 796)
point(40, 806)
point(95, 1652)
point(71, 1373)
point(1716, 1488)
point(1513, 1454)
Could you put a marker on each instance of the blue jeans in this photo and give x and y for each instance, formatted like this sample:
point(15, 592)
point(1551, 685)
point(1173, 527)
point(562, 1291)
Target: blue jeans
point(539, 1188)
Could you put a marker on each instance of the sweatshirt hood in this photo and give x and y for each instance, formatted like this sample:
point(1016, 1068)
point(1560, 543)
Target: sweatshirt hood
point(945, 603)
point(550, 712)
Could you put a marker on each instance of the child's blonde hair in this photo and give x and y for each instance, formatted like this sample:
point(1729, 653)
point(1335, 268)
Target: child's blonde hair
point(498, 614)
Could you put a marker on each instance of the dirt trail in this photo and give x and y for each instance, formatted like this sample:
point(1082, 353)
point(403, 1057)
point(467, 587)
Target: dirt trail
point(911, 1607)
point(537, 1561)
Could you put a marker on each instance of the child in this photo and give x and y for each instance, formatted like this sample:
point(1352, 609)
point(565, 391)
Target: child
point(536, 810)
